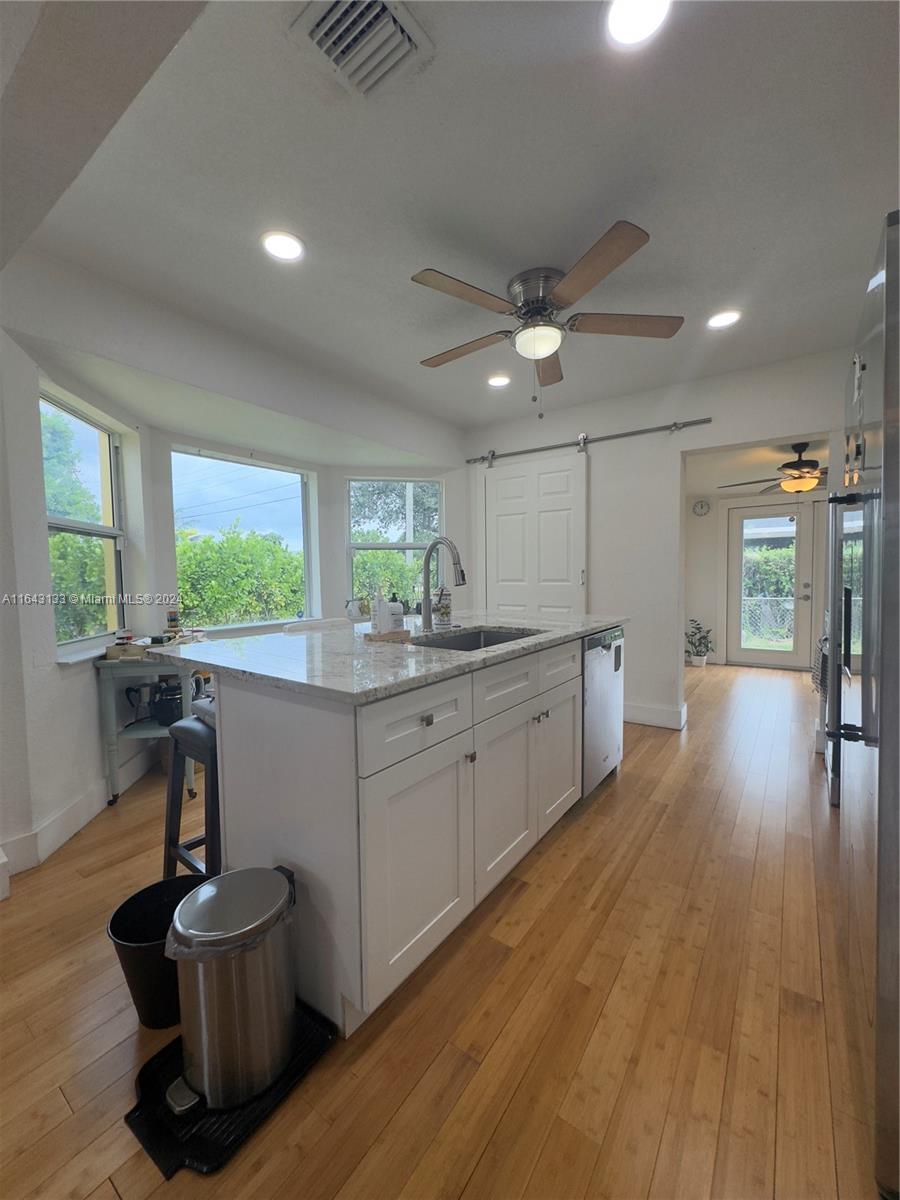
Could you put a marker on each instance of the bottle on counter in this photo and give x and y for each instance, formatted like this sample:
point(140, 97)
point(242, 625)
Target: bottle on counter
point(441, 615)
point(395, 608)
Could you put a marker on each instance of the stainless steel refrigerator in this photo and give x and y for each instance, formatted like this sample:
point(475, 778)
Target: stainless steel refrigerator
point(863, 718)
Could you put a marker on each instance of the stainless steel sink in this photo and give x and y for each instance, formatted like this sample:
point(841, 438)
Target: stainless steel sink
point(472, 639)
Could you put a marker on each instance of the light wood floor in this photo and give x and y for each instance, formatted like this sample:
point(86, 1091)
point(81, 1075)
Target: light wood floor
point(671, 996)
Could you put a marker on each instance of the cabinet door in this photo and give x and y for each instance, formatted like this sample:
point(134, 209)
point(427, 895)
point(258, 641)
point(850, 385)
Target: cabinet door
point(505, 794)
point(559, 752)
point(417, 874)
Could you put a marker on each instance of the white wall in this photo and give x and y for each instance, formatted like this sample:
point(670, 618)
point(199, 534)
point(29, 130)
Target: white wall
point(635, 501)
point(703, 571)
point(51, 767)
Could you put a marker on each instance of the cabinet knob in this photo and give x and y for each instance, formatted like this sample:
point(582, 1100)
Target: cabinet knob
point(472, 757)
point(546, 713)
point(427, 719)
point(538, 718)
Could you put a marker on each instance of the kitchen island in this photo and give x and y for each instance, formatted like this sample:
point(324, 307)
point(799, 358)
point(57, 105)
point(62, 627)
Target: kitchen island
point(400, 782)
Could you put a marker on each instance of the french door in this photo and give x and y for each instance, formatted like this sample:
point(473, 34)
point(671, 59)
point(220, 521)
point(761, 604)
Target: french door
point(770, 585)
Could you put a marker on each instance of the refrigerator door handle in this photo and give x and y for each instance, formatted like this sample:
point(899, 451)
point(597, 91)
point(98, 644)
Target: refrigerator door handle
point(871, 571)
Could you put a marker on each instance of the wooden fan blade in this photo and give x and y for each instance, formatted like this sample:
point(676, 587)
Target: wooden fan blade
point(773, 488)
point(616, 245)
point(625, 324)
point(746, 483)
point(549, 370)
point(463, 291)
point(491, 339)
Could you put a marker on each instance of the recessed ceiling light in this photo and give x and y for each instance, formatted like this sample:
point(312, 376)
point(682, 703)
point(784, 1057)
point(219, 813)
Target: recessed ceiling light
point(284, 247)
point(498, 381)
point(633, 21)
point(722, 320)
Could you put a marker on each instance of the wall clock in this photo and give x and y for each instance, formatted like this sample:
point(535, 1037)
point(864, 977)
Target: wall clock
point(700, 508)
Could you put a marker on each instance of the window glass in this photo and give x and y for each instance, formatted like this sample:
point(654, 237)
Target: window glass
point(79, 491)
point(77, 475)
point(239, 531)
point(83, 578)
point(391, 523)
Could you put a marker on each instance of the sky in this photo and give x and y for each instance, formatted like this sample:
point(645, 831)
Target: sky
point(209, 494)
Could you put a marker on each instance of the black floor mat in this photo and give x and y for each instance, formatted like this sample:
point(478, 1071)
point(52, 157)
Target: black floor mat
point(202, 1139)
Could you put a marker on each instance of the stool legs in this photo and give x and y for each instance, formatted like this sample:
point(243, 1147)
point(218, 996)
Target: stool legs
point(174, 800)
point(211, 820)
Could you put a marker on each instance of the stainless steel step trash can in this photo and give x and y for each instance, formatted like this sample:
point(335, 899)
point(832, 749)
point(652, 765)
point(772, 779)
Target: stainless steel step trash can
point(230, 940)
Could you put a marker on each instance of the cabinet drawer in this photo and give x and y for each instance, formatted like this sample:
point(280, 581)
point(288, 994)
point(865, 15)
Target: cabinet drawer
point(498, 688)
point(558, 664)
point(393, 729)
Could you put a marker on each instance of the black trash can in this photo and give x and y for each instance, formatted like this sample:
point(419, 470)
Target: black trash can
point(138, 930)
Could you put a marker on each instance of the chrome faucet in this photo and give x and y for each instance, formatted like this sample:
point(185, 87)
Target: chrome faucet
point(459, 576)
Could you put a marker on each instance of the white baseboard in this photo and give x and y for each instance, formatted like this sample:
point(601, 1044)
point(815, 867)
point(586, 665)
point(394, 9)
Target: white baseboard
point(28, 850)
point(664, 716)
point(4, 876)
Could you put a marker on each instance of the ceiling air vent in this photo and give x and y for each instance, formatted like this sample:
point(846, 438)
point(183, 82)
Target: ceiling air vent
point(365, 41)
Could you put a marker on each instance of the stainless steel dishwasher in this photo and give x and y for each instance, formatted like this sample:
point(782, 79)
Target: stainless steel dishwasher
point(604, 705)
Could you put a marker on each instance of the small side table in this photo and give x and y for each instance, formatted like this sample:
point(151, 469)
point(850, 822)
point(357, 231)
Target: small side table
point(115, 673)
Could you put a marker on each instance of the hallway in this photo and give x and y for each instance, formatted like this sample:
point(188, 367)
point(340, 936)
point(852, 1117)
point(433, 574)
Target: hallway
point(671, 996)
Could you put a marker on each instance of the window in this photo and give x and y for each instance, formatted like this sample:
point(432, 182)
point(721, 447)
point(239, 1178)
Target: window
point(391, 523)
point(83, 521)
point(240, 532)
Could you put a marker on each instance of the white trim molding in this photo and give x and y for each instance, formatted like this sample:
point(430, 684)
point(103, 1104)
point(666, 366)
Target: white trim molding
point(663, 716)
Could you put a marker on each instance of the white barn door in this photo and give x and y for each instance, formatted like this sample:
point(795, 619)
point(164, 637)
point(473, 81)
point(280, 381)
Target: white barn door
point(535, 537)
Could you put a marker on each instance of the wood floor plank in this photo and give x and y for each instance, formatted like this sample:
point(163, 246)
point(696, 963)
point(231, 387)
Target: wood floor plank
point(804, 1146)
point(564, 1166)
point(392, 1159)
point(745, 1154)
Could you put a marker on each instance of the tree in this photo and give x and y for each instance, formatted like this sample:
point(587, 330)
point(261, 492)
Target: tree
point(238, 576)
point(381, 505)
point(79, 564)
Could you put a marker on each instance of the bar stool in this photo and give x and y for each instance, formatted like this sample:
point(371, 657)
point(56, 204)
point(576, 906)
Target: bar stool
point(196, 740)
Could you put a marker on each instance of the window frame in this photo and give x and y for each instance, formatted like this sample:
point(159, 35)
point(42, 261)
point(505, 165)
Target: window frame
point(353, 547)
point(114, 533)
point(251, 460)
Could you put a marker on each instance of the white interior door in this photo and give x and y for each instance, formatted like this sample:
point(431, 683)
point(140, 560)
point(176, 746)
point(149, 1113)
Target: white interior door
point(535, 551)
point(770, 579)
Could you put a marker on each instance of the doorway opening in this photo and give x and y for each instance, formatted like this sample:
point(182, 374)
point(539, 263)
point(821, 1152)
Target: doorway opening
point(755, 554)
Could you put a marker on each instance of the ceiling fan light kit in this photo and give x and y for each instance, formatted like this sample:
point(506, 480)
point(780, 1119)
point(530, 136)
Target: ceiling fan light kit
point(538, 339)
point(538, 295)
point(804, 483)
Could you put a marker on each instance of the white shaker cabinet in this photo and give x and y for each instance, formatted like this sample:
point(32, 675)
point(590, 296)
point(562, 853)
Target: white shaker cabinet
point(558, 756)
point(506, 793)
point(416, 841)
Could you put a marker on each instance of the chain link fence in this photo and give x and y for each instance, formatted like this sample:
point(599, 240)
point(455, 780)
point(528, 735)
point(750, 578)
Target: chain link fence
point(767, 622)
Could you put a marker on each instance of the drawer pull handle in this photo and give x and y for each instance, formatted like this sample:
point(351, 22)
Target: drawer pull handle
point(427, 719)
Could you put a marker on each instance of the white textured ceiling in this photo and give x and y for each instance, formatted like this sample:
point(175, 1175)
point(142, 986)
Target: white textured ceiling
point(756, 142)
point(705, 471)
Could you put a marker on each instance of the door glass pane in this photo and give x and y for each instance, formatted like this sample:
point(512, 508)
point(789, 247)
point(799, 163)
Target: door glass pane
point(768, 574)
point(853, 578)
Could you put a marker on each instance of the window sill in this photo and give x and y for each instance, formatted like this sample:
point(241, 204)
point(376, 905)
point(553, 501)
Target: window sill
point(76, 653)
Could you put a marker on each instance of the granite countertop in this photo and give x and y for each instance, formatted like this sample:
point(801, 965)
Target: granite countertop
point(336, 663)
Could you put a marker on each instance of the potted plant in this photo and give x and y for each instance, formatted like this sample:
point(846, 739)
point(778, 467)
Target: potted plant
point(699, 643)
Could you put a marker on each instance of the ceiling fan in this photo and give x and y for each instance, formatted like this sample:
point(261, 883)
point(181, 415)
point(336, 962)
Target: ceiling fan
point(538, 295)
point(797, 474)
